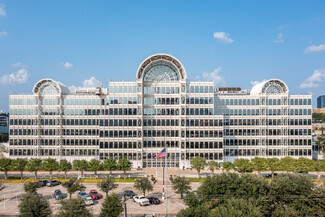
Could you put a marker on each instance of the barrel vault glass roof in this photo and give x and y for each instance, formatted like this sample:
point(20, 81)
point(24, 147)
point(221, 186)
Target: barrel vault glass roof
point(161, 71)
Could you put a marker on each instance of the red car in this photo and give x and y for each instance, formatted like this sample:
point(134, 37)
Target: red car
point(94, 195)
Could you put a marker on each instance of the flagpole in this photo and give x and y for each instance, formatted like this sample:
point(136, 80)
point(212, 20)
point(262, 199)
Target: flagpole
point(166, 181)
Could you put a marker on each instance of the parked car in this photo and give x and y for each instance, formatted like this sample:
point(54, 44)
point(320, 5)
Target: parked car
point(94, 195)
point(53, 183)
point(154, 200)
point(141, 200)
point(89, 200)
point(82, 194)
point(269, 175)
point(43, 182)
point(128, 193)
point(58, 194)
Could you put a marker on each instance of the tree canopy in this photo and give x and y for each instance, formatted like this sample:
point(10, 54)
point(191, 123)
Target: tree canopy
point(112, 206)
point(124, 165)
point(198, 164)
point(33, 205)
point(143, 184)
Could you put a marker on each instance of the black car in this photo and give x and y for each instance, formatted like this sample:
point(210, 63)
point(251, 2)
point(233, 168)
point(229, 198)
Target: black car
point(53, 183)
point(154, 200)
point(129, 193)
point(58, 194)
point(269, 175)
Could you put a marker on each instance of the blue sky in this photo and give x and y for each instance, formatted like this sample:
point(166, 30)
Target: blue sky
point(234, 43)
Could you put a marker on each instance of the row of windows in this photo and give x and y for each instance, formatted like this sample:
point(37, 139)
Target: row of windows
point(207, 156)
point(53, 142)
point(270, 152)
point(122, 89)
point(270, 112)
point(52, 152)
point(198, 89)
point(121, 134)
point(120, 100)
point(274, 102)
point(198, 134)
point(158, 122)
point(198, 100)
point(270, 132)
point(274, 142)
point(203, 145)
point(151, 111)
point(160, 90)
point(160, 101)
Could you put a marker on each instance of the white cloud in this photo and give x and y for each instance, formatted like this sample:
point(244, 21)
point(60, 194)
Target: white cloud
point(315, 48)
point(257, 82)
point(213, 76)
point(19, 64)
point(279, 38)
point(92, 82)
point(2, 10)
point(19, 77)
point(313, 81)
point(67, 65)
point(223, 37)
point(3, 33)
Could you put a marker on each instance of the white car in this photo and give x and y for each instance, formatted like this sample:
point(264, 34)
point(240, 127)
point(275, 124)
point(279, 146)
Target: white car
point(142, 200)
point(89, 201)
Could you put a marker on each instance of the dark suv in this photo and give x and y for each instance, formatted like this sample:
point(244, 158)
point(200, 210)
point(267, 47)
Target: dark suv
point(42, 182)
point(53, 183)
point(128, 193)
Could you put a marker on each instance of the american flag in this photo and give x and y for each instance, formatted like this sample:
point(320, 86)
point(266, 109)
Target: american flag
point(161, 154)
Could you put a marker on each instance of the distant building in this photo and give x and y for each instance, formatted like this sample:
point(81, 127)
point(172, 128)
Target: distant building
point(321, 101)
point(135, 120)
point(4, 120)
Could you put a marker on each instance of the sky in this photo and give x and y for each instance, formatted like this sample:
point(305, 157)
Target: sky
point(233, 43)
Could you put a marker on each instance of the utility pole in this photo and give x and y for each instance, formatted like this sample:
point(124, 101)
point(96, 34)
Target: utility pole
point(125, 212)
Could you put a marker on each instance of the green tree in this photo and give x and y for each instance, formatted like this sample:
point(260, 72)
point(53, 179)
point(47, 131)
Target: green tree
point(199, 211)
point(107, 184)
point(227, 166)
point(73, 208)
point(237, 207)
point(143, 185)
point(284, 186)
point(243, 165)
point(181, 185)
point(65, 166)
point(304, 165)
point(259, 164)
point(287, 164)
point(30, 187)
point(94, 165)
point(5, 166)
point(19, 164)
point(33, 206)
point(320, 142)
point(213, 165)
point(198, 164)
point(34, 165)
point(124, 165)
point(110, 164)
point(319, 167)
point(112, 206)
point(72, 186)
point(272, 164)
point(80, 165)
point(50, 165)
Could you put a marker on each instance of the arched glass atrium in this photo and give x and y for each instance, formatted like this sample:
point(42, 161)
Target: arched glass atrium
point(135, 120)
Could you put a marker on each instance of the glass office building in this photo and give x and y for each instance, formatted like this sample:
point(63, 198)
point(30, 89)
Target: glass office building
point(321, 101)
point(135, 120)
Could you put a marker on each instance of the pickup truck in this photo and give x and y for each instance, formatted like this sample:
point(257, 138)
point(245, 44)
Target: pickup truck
point(141, 200)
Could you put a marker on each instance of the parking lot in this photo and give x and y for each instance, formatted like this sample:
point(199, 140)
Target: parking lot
point(10, 199)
